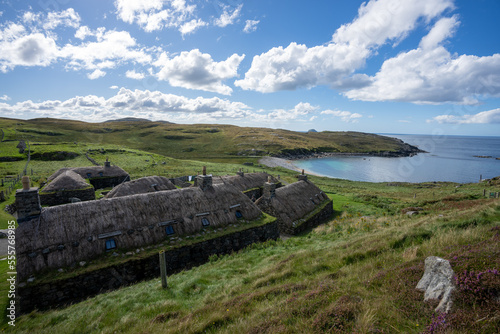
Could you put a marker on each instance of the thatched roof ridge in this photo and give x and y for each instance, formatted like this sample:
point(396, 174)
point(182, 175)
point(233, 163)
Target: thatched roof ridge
point(245, 182)
point(141, 186)
point(94, 171)
point(138, 219)
point(294, 201)
point(67, 180)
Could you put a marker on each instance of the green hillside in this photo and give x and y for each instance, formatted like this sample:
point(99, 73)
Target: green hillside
point(355, 274)
point(198, 141)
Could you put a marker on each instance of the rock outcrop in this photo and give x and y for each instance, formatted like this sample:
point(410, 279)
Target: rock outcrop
point(437, 283)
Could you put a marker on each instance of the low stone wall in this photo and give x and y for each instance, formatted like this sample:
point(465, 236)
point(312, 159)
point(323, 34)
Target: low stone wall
point(64, 197)
point(108, 182)
point(71, 290)
point(254, 193)
point(309, 222)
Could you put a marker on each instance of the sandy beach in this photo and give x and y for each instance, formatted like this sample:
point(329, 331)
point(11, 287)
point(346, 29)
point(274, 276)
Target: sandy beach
point(279, 162)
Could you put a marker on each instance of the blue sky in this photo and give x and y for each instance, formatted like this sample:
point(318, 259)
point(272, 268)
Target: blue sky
point(382, 66)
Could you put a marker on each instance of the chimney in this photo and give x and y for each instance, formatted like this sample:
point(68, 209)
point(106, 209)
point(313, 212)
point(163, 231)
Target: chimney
point(27, 202)
point(204, 181)
point(107, 163)
point(302, 177)
point(240, 173)
point(269, 189)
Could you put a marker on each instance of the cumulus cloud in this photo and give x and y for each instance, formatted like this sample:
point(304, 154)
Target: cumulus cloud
point(66, 18)
point(378, 22)
point(484, 117)
point(196, 70)
point(132, 74)
point(26, 50)
point(154, 14)
point(113, 87)
point(431, 75)
point(96, 74)
point(191, 26)
point(301, 109)
point(228, 17)
point(345, 116)
point(139, 103)
point(250, 26)
point(83, 32)
point(110, 49)
point(4, 98)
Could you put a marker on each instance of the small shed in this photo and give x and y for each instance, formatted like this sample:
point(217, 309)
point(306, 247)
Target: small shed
point(143, 185)
point(65, 188)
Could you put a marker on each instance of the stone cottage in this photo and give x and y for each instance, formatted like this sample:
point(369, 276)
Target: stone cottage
point(68, 186)
point(298, 206)
point(142, 185)
point(98, 176)
point(251, 184)
point(58, 236)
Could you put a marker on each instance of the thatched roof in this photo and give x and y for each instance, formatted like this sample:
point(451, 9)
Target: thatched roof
point(296, 200)
point(245, 182)
point(67, 180)
point(141, 186)
point(73, 232)
point(93, 171)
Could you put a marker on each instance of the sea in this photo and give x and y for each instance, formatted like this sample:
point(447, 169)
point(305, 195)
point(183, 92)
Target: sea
point(449, 159)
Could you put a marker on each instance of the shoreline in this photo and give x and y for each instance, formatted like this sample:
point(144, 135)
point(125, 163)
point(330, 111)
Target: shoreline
point(280, 162)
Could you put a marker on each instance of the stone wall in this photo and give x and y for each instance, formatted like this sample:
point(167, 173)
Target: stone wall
point(311, 220)
point(315, 219)
point(63, 197)
point(108, 182)
point(71, 290)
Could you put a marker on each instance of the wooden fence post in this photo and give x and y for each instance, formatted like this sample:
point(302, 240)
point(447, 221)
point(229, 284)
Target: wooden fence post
point(163, 269)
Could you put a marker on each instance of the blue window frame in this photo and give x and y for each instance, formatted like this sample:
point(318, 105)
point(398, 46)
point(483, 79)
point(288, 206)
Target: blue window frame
point(89, 175)
point(169, 229)
point(205, 222)
point(101, 174)
point(238, 214)
point(110, 244)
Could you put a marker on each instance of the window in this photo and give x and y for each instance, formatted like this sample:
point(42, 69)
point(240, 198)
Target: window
point(205, 222)
point(238, 214)
point(110, 244)
point(169, 229)
point(101, 174)
point(89, 175)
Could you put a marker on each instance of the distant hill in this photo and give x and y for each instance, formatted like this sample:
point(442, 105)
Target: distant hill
point(134, 119)
point(203, 141)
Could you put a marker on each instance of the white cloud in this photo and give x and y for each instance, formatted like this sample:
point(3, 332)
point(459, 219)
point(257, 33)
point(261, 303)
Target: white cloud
point(138, 103)
point(301, 109)
point(196, 70)
point(345, 116)
point(378, 22)
point(27, 50)
point(66, 18)
point(154, 15)
point(227, 17)
point(111, 49)
point(4, 98)
point(250, 26)
point(83, 32)
point(191, 26)
point(96, 74)
point(113, 87)
point(484, 117)
point(433, 76)
point(442, 30)
point(132, 74)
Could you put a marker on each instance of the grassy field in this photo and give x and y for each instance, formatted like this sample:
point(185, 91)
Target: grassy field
point(356, 273)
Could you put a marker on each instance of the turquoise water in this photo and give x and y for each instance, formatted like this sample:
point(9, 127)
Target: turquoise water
point(450, 158)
